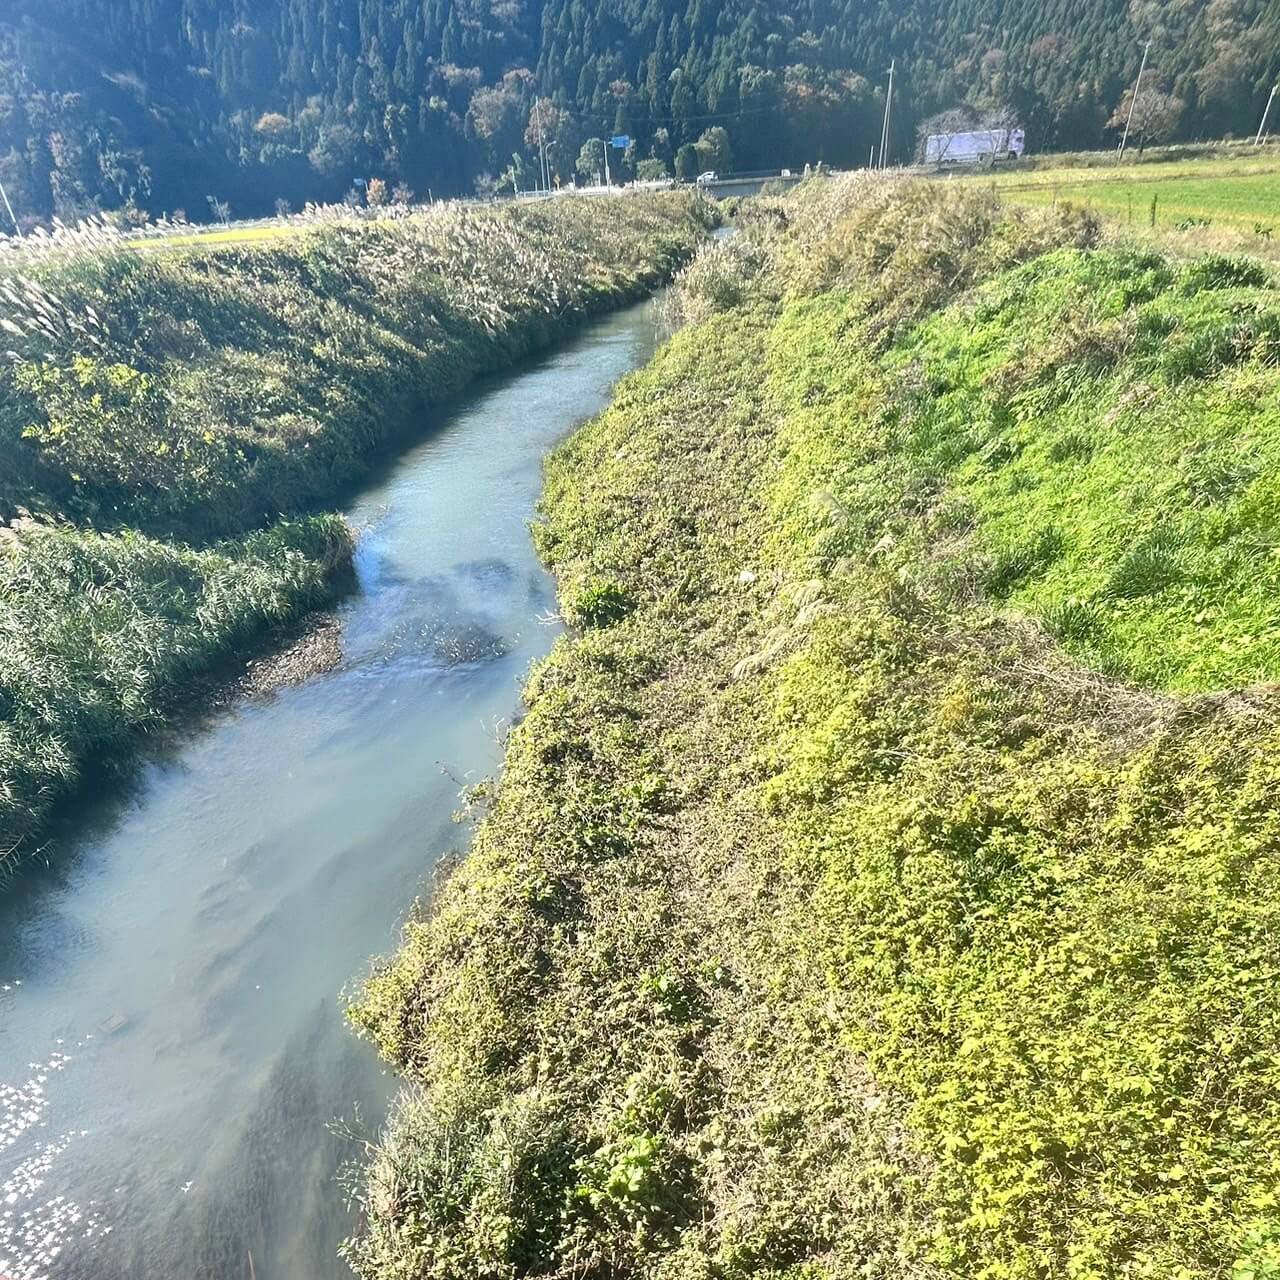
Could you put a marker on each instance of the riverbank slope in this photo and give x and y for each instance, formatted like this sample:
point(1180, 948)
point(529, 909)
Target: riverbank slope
point(168, 421)
point(882, 882)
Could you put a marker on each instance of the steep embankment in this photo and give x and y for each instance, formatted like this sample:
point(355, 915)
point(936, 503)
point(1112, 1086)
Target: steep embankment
point(202, 395)
point(881, 882)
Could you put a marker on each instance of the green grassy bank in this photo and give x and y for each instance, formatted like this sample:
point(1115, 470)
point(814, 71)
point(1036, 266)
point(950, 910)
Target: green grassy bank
point(204, 392)
point(164, 417)
point(100, 634)
point(883, 881)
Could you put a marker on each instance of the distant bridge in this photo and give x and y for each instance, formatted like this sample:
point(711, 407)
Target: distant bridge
point(749, 184)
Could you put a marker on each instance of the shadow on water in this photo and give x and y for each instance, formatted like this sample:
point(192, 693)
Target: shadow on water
point(173, 1054)
point(435, 626)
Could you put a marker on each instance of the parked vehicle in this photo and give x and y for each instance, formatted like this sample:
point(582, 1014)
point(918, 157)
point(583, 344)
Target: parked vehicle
point(981, 146)
point(710, 176)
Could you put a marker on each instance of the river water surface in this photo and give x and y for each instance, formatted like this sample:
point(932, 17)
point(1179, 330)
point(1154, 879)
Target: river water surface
point(177, 1086)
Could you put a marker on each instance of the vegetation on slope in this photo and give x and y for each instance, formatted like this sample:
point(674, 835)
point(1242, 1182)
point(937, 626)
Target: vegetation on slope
point(100, 633)
point(832, 918)
point(200, 394)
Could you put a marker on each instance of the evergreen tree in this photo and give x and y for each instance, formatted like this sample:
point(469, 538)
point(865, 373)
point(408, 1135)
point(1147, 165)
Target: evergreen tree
point(103, 102)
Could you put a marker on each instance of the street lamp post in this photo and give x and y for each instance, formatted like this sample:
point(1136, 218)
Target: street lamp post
point(888, 116)
point(4, 195)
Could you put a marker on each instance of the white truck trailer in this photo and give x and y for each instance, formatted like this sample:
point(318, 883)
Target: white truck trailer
point(981, 146)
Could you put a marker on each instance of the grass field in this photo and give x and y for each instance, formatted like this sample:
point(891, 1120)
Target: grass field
point(1241, 194)
point(231, 235)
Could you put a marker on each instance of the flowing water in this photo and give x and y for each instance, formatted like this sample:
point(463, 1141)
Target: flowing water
point(178, 1089)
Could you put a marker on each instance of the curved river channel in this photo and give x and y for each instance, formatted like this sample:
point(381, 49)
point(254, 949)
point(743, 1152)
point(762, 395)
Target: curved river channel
point(178, 1089)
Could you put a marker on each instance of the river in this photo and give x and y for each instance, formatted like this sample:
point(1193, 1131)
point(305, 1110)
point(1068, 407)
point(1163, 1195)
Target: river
point(178, 1089)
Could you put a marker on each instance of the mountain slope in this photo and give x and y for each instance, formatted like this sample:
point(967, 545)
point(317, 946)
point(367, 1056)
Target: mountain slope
point(167, 101)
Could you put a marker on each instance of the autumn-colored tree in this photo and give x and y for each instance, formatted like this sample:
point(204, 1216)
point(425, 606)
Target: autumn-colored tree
point(552, 128)
point(375, 193)
point(272, 124)
point(591, 160)
point(1156, 113)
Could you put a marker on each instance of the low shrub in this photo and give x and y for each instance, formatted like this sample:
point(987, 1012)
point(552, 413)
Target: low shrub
point(598, 604)
point(100, 633)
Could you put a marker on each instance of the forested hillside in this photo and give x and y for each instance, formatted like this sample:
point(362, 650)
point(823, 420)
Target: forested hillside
point(161, 104)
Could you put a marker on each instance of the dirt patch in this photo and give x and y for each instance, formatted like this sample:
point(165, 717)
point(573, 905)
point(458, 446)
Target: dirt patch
point(315, 650)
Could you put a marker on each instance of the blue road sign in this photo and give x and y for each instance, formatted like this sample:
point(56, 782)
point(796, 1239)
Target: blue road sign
point(620, 142)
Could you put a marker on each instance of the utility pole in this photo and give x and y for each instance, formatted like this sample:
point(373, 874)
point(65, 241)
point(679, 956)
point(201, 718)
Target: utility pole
point(888, 115)
point(542, 151)
point(605, 143)
point(1137, 88)
point(1262, 128)
point(17, 230)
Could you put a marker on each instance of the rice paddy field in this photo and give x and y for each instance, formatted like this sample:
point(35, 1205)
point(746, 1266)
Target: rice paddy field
point(1240, 193)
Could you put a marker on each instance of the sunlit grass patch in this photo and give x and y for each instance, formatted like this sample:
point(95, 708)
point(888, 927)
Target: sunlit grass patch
point(206, 390)
point(1240, 186)
point(99, 633)
point(1144, 459)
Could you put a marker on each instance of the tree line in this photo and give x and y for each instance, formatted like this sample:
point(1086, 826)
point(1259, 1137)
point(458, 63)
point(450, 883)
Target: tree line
point(158, 105)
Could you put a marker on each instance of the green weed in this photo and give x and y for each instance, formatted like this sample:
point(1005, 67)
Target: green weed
point(100, 633)
point(944, 952)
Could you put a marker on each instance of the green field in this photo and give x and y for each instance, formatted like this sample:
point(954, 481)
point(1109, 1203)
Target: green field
point(1238, 194)
point(232, 235)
